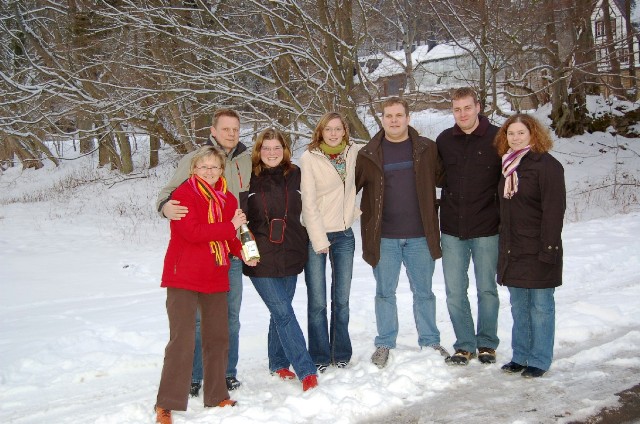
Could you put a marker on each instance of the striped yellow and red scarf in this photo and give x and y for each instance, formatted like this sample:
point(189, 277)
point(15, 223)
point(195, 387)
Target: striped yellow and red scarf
point(216, 198)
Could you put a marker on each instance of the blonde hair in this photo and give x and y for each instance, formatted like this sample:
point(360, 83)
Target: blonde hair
point(205, 152)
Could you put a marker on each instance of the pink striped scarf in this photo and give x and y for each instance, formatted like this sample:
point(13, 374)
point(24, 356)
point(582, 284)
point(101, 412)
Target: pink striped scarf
point(510, 162)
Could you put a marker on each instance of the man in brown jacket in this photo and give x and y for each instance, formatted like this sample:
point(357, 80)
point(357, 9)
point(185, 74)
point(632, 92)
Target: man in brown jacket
point(397, 172)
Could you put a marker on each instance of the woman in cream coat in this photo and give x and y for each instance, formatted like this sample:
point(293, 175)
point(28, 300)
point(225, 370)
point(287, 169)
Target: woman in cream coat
point(328, 211)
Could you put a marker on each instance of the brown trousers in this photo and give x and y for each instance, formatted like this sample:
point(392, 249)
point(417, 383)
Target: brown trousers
point(175, 381)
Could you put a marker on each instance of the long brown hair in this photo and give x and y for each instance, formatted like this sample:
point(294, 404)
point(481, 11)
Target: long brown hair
point(271, 134)
point(317, 139)
point(540, 139)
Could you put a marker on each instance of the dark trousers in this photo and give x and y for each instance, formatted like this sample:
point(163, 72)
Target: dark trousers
point(175, 381)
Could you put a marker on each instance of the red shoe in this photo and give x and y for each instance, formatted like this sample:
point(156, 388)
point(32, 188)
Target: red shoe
point(309, 382)
point(285, 374)
point(163, 416)
point(227, 402)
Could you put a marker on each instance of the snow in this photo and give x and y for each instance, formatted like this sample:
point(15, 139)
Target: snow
point(393, 62)
point(84, 325)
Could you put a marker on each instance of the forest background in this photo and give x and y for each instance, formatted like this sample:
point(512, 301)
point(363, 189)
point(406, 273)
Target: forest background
point(101, 71)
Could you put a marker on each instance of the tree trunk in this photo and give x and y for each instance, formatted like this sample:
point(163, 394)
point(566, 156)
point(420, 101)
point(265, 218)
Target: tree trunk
point(154, 147)
point(126, 160)
point(26, 157)
point(85, 129)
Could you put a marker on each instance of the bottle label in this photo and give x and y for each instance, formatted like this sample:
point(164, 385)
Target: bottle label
point(250, 250)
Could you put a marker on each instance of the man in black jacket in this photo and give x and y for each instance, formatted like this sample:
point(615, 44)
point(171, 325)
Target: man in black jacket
point(469, 218)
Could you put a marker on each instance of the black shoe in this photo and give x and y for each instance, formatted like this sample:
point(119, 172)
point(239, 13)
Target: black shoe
point(232, 383)
point(512, 367)
point(486, 355)
point(195, 389)
point(532, 372)
point(321, 368)
point(461, 357)
point(342, 364)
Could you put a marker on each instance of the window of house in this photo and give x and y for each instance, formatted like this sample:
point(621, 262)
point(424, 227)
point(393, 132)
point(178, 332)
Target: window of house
point(600, 31)
point(602, 56)
point(623, 56)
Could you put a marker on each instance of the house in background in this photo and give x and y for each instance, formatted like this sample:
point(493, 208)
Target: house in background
point(619, 41)
point(446, 66)
point(436, 71)
point(387, 70)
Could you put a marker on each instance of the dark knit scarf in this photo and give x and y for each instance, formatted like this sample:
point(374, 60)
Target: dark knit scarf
point(216, 198)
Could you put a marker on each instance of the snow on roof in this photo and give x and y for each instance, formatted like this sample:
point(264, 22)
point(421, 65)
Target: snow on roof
point(393, 63)
point(448, 50)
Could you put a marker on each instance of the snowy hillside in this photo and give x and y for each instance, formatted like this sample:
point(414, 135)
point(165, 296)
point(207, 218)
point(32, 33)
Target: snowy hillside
point(84, 326)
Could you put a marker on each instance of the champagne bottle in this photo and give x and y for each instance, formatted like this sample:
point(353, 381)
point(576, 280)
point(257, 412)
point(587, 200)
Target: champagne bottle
point(249, 246)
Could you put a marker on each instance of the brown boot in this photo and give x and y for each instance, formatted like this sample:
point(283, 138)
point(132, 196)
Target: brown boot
point(163, 416)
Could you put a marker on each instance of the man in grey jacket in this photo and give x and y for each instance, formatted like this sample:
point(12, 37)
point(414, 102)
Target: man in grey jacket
point(225, 133)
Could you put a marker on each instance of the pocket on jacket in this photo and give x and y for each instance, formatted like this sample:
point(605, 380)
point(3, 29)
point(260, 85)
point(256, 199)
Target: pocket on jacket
point(528, 240)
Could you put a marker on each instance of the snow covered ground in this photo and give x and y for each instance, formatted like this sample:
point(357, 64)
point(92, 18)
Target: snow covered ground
point(83, 324)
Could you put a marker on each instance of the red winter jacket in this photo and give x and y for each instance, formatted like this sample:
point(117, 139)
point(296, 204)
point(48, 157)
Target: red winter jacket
point(189, 263)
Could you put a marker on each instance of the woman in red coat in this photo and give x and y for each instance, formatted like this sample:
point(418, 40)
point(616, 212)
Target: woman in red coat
point(196, 276)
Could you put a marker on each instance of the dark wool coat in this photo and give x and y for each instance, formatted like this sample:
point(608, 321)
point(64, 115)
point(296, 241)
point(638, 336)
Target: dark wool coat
point(469, 205)
point(370, 178)
point(266, 196)
point(189, 263)
point(531, 225)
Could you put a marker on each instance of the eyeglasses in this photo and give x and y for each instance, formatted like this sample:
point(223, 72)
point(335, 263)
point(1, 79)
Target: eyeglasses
point(208, 168)
point(332, 130)
point(271, 149)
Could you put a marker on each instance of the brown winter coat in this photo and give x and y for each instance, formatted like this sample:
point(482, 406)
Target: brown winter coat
point(370, 177)
point(531, 225)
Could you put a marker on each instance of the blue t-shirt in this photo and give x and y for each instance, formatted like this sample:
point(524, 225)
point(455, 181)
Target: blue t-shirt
point(400, 208)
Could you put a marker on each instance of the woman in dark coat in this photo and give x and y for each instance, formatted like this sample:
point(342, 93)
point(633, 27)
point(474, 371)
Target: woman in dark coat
point(273, 205)
point(532, 205)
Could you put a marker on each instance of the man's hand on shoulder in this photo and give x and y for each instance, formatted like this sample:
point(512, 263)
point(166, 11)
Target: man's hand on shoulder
point(173, 211)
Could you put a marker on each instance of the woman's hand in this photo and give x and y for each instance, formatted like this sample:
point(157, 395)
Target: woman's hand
point(323, 251)
point(238, 219)
point(252, 262)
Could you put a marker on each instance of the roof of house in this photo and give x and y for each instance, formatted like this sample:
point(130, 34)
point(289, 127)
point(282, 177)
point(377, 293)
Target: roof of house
point(393, 63)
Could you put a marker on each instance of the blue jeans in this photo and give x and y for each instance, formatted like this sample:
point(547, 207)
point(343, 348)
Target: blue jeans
point(234, 299)
point(534, 321)
point(330, 345)
point(456, 254)
point(285, 343)
point(415, 256)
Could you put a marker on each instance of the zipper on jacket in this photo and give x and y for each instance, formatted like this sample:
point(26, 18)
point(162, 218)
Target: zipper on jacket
point(344, 185)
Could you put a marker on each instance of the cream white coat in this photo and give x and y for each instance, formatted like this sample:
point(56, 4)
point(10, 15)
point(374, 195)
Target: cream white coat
point(328, 204)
